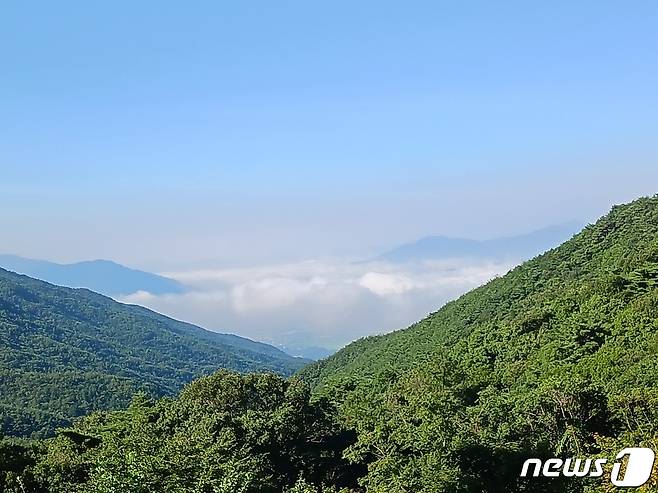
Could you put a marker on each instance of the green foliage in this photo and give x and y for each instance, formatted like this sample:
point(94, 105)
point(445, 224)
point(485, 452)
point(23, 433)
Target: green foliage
point(557, 358)
point(66, 352)
point(18, 458)
point(226, 433)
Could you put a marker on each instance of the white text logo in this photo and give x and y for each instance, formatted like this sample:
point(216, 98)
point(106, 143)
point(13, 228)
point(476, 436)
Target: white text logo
point(639, 465)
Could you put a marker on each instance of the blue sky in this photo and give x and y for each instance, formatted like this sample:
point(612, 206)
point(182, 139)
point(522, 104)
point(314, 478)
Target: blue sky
point(165, 134)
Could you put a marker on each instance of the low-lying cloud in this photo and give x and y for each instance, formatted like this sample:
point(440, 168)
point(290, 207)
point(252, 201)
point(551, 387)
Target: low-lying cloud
point(322, 302)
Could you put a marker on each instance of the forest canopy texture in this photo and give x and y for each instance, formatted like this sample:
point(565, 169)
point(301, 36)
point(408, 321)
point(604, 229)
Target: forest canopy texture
point(558, 358)
point(65, 352)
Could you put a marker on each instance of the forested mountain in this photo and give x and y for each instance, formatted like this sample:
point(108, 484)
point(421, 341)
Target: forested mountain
point(102, 276)
point(226, 433)
point(65, 352)
point(583, 284)
point(519, 247)
point(558, 358)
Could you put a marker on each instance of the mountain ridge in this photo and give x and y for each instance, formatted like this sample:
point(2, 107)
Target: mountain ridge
point(557, 358)
point(62, 346)
point(521, 246)
point(102, 276)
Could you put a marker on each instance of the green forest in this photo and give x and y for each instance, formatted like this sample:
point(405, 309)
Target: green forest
point(66, 352)
point(558, 358)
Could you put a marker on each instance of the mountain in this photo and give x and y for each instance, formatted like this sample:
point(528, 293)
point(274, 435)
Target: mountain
point(558, 358)
point(65, 352)
point(102, 276)
point(309, 352)
point(513, 247)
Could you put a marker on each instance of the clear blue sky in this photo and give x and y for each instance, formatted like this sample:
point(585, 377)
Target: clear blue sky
point(165, 132)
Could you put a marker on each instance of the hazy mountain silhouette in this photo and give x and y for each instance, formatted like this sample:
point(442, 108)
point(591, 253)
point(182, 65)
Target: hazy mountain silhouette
point(308, 352)
point(523, 246)
point(103, 276)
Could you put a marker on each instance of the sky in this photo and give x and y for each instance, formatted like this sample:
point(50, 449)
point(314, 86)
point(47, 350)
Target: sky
point(178, 137)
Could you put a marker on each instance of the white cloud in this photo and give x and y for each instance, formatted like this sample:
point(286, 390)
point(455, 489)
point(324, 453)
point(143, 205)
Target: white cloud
point(319, 302)
point(273, 292)
point(386, 284)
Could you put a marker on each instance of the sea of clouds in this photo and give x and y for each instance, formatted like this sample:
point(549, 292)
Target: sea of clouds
point(326, 303)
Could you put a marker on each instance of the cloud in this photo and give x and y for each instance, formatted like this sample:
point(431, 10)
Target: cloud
point(386, 284)
point(320, 302)
point(273, 293)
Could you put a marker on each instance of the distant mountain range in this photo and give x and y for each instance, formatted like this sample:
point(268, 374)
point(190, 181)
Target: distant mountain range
point(523, 246)
point(103, 276)
point(313, 353)
point(65, 352)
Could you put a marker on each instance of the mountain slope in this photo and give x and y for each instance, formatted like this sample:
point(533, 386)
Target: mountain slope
point(101, 276)
point(625, 240)
point(558, 358)
point(515, 247)
point(64, 352)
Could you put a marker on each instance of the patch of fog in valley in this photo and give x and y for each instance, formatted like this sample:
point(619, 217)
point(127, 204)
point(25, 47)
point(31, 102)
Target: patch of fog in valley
point(325, 303)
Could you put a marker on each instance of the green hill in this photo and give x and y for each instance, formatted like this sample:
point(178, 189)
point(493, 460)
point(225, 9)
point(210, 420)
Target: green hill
point(567, 297)
point(558, 357)
point(65, 352)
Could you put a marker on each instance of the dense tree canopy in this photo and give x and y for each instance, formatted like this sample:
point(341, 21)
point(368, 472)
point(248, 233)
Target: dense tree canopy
point(65, 352)
point(558, 358)
point(227, 433)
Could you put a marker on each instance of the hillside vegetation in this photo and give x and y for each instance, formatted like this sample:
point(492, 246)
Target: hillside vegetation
point(226, 433)
point(558, 358)
point(65, 352)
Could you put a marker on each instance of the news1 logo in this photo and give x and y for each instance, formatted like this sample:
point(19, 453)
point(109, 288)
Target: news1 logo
point(639, 466)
